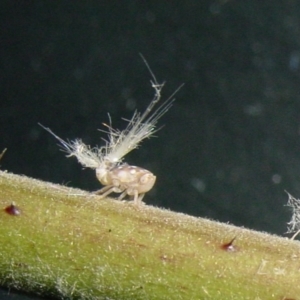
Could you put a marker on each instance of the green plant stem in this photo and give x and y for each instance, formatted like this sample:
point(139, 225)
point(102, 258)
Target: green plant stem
point(70, 244)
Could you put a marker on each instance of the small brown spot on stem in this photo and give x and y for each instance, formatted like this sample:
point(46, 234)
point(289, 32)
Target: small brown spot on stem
point(2, 153)
point(229, 247)
point(12, 210)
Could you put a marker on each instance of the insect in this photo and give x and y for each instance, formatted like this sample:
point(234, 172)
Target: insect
point(111, 171)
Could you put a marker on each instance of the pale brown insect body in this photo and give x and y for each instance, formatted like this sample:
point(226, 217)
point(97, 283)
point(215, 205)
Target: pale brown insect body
point(127, 180)
point(116, 176)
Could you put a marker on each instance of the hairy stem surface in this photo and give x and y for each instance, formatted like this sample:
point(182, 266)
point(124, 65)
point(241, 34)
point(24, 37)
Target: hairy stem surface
point(69, 244)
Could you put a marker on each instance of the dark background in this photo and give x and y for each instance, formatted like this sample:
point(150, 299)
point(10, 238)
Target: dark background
point(230, 146)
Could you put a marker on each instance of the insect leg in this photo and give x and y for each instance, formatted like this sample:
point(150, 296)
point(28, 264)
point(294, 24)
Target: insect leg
point(138, 198)
point(122, 195)
point(103, 190)
point(108, 190)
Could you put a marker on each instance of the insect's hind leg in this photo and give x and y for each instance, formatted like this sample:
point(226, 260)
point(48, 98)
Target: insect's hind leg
point(105, 191)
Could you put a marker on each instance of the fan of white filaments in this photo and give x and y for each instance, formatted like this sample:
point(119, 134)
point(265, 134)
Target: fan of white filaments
point(119, 143)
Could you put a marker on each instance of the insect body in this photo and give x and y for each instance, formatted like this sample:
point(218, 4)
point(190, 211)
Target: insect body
point(127, 180)
point(116, 176)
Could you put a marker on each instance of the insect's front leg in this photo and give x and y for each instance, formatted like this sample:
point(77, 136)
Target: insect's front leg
point(138, 199)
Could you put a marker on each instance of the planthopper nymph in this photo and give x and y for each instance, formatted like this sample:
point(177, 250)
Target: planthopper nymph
point(115, 175)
